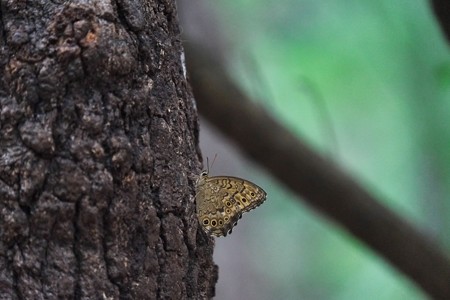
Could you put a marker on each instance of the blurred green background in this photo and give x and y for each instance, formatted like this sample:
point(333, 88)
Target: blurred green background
point(366, 83)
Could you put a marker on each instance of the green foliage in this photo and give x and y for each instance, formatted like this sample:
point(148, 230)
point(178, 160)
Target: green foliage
point(379, 73)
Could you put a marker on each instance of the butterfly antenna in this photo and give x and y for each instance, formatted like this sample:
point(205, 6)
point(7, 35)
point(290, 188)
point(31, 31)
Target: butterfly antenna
point(212, 164)
point(207, 162)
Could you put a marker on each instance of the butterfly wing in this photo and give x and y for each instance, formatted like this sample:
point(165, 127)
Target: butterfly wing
point(221, 201)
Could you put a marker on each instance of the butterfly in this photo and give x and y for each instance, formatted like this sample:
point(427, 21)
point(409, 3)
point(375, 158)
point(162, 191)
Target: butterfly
point(221, 201)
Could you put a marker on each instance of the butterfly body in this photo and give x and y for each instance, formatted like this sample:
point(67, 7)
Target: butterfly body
point(221, 201)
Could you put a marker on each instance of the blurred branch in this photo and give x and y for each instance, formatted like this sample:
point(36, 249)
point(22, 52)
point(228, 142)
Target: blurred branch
point(442, 12)
point(317, 180)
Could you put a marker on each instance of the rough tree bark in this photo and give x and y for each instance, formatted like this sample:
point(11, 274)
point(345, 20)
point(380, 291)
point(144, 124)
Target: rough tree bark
point(98, 154)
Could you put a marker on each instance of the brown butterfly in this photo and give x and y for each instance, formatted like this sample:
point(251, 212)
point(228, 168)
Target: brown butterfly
point(221, 201)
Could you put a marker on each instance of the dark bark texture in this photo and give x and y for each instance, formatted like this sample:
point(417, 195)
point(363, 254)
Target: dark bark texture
point(98, 154)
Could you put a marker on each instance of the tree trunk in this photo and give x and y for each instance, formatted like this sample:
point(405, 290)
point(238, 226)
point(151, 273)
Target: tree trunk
point(98, 155)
